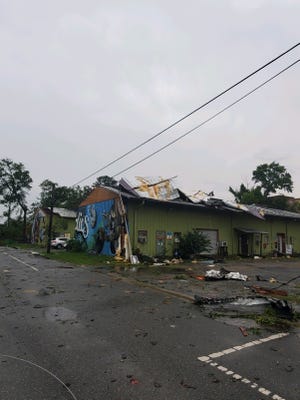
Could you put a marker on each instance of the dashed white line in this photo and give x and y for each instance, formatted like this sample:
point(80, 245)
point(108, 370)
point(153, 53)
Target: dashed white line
point(22, 262)
point(210, 360)
point(246, 345)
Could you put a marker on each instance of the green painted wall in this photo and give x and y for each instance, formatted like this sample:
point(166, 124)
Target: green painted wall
point(158, 217)
point(152, 217)
point(60, 227)
point(273, 226)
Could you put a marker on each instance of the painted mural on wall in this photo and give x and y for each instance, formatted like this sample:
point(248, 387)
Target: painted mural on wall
point(38, 229)
point(102, 227)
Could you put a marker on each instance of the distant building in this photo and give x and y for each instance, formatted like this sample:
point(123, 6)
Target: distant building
point(63, 224)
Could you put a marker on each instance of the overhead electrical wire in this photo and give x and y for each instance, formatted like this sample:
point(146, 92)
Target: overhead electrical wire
point(207, 120)
point(187, 115)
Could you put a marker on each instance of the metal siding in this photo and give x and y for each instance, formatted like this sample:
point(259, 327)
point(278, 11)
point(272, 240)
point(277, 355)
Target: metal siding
point(157, 218)
point(174, 219)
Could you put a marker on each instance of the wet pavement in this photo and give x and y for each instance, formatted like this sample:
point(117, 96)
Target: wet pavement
point(228, 300)
point(188, 279)
point(100, 332)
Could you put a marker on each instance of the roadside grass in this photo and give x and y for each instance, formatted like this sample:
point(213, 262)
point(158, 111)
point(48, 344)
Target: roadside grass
point(79, 258)
point(76, 258)
point(292, 298)
point(270, 318)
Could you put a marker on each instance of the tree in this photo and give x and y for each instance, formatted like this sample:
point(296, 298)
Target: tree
point(62, 196)
point(272, 177)
point(268, 178)
point(105, 180)
point(15, 183)
point(75, 195)
point(244, 195)
point(52, 195)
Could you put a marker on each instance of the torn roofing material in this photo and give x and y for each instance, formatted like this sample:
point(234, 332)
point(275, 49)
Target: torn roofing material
point(163, 190)
point(156, 188)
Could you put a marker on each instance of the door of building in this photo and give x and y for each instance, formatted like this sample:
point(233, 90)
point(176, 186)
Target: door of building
point(160, 241)
point(244, 245)
point(281, 243)
point(212, 235)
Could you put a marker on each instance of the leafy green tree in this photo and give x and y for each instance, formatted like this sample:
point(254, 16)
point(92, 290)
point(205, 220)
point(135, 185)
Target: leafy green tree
point(15, 183)
point(271, 177)
point(52, 194)
point(62, 196)
point(268, 178)
point(105, 180)
point(75, 195)
point(193, 243)
point(244, 195)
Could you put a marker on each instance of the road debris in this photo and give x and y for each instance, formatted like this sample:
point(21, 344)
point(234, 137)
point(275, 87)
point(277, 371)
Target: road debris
point(201, 300)
point(283, 309)
point(267, 291)
point(187, 385)
point(214, 274)
point(243, 330)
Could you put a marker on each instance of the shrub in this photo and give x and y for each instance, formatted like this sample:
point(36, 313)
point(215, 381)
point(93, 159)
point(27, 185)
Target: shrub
point(75, 245)
point(192, 243)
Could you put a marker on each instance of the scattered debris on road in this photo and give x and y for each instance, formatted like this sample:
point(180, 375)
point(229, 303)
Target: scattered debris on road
point(266, 291)
point(214, 274)
point(243, 330)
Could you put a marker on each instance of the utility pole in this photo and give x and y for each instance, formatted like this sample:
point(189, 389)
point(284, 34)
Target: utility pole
point(50, 220)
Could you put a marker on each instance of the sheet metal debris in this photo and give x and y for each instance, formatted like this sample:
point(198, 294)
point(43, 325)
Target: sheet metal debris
point(214, 274)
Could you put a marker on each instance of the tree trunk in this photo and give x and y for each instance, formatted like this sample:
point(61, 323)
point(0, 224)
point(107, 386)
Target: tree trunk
point(8, 216)
point(25, 225)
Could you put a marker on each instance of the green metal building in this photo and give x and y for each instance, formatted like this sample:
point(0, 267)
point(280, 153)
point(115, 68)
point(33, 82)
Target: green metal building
point(123, 221)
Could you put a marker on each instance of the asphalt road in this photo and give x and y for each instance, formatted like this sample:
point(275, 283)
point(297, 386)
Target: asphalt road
point(70, 333)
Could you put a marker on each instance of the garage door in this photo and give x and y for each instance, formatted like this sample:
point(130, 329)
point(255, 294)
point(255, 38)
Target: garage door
point(212, 235)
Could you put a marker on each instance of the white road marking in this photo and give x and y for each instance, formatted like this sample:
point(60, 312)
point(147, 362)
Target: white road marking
point(211, 357)
point(244, 346)
point(22, 262)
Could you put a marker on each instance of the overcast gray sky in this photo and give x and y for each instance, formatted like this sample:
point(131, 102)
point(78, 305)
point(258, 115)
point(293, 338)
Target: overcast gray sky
point(82, 82)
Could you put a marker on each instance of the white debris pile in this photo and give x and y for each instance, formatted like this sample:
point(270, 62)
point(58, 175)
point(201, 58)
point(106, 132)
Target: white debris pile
point(214, 274)
point(236, 276)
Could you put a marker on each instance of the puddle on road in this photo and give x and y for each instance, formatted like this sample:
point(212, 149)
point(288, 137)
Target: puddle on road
point(60, 314)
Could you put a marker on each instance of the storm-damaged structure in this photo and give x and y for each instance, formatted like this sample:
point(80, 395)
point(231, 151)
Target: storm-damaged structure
point(63, 224)
point(151, 216)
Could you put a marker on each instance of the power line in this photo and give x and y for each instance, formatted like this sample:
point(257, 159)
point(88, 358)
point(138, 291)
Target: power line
point(208, 120)
point(187, 115)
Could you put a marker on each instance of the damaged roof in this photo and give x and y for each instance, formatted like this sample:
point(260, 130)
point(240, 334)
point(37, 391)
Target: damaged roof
point(163, 191)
